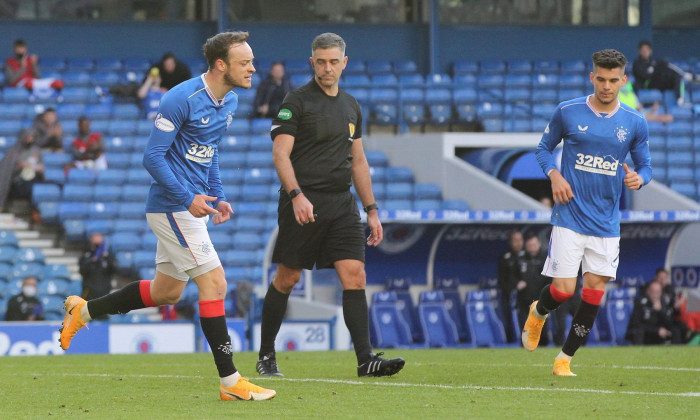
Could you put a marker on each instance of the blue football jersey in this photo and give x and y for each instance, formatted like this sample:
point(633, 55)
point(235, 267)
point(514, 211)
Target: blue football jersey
point(595, 147)
point(182, 152)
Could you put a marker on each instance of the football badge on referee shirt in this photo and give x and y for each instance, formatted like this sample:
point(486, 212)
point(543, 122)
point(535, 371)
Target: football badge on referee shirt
point(351, 126)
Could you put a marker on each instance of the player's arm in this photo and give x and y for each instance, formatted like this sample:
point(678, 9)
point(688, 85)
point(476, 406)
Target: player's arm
point(552, 136)
point(283, 133)
point(216, 190)
point(171, 116)
point(363, 184)
point(641, 157)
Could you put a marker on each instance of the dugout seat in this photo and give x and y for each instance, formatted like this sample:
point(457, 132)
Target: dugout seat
point(438, 327)
point(388, 329)
point(485, 326)
point(618, 312)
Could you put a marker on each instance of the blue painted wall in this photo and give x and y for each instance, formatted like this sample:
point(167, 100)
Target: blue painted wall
point(392, 42)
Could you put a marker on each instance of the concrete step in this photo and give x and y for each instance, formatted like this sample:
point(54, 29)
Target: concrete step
point(16, 224)
point(27, 234)
point(36, 243)
point(7, 217)
point(54, 252)
point(67, 260)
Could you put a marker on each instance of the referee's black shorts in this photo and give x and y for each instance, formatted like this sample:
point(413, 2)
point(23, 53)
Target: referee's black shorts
point(338, 234)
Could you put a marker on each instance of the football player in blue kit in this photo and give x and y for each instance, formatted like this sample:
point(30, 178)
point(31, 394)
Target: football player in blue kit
point(598, 133)
point(182, 157)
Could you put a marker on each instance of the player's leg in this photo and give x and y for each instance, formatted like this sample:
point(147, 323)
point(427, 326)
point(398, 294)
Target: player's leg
point(162, 290)
point(600, 261)
point(353, 279)
point(274, 308)
point(211, 282)
point(563, 260)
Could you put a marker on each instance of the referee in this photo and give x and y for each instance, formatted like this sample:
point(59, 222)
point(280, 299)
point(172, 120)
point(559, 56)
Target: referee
point(317, 151)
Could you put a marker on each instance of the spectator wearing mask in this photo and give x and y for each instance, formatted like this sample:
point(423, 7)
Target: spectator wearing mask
point(25, 306)
point(271, 92)
point(88, 148)
point(22, 70)
point(49, 132)
point(97, 266)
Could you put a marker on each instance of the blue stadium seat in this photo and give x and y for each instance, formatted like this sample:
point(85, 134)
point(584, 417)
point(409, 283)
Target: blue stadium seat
point(485, 326)
point(681, 113)
point(45, 192)
point(414, 114)
point(76, 78)
point(8, 238)
point(544, 95)
point(82, 176)
point(385, 114)
point(490, 81)
point(105, 78)
point(143, 259)
point(388, 328)
point(427, 205)
point(260, 160)
point(379, 66)
point(399, 191)
point(73, 210)
point(376, 158)
point(138, 176)
point(22, 269)
point(572, 81)
point(383, 96)
point(103, 226)
point(197, 64)
point(70, 111)
point(679, 159)
point(296, 80)
point(518, 125)
point(463, 80)
point(413, 96)
point(399, 174)
point(248, 241)
point(519, 66)
point(422, 191)
point(465, 66)
point(108, 63)
point(404, 204)
point(77, 192)
point(130, 226)
point(15, 95)
point(259, 176)
point(80, 63)
point(29, 255)
point(237, 258)
point(649, 96)
point(492, 67)
point(52, 63)
point(149, 241)
point(111, 177)
point(126, 111)
point(689, 189)
point(125, 241)
point(356, 81)
point(437, 96)
point(355, 67)
point(74, 228)
point(103, 210)
point(489, 109)
point(567, 94)
point(7, 254)
point(518, 95)
point(56, 271)
point(404, 66)
point(135, 194)
point(48, 211)
point(10, 128)
point(618, 313)
point(518, 81)
point(413, 80)
point(260, 125)
point(440, 114)
point(438, 327)
point(248, 223)
point(465, 95)
point(457, 205)
point(438, 80)
point(384, 80)
point(121, 128)
point(572, 66)
point(544, 110)
point(294, 66)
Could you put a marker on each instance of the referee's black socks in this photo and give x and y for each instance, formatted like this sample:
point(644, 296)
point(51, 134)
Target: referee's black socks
point(274, 308)
point(357, 320)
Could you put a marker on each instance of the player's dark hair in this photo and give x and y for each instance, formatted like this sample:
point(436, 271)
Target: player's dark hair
point(20, 43)
point(513, 233)
point(609, 59)
point(643, 43)
point(328, 40)
point(217, 46)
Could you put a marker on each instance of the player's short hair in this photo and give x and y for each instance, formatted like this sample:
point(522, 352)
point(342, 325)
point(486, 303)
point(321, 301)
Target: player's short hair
point(328, 40)
point(19, 43)
point(660, 270)
point(609, 59)
point(217, 46)
point(643, 43)
point(531, 235)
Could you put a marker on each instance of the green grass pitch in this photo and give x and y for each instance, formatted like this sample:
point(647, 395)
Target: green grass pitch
point(615, 382)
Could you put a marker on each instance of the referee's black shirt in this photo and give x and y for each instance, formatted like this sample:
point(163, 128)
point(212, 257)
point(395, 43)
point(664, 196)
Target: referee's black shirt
point(324, 128)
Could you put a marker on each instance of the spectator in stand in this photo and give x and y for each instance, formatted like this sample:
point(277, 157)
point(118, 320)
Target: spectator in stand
point(271, 92)
point(672, 299)
point(151, 93)
point(22, 69)
point(28, 165)
point(629, 98)
point(653, 73)
point(97, 266)
point(530, 279)
point(88, 148)
point(508, 277)
point(49, 132)
point(171, 71)
point(25, 306)
point(652, 319)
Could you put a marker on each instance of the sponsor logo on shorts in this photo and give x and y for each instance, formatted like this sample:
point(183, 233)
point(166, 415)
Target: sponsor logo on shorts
point(605, 165)
point(164, 124)
point(284, 114)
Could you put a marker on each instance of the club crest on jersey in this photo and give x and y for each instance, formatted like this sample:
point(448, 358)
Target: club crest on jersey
point(621, 134)
point(351, 126)
point(229, 118)
point(163, 124)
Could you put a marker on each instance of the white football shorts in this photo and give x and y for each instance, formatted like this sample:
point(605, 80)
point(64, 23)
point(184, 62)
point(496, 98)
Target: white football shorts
point(184, 248)
point(569, 250)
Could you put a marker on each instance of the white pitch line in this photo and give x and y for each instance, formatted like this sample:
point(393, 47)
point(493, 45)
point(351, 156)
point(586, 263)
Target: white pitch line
point(397, 384)
point(675, 369)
